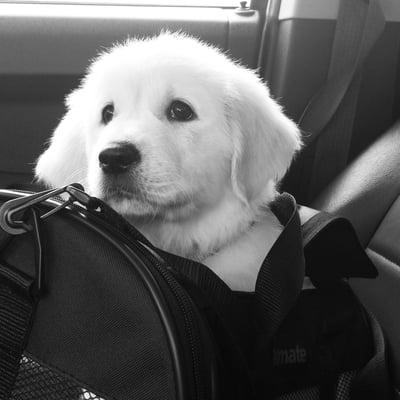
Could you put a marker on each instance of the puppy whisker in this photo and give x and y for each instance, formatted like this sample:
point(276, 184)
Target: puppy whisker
point(78, 173)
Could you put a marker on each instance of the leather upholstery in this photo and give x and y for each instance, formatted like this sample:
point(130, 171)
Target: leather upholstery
point(365, 191)
point(368, 193)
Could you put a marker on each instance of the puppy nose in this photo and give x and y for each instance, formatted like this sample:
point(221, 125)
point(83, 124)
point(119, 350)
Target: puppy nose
point(118, 159)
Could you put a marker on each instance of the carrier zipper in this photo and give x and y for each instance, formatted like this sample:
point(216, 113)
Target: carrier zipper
point(186, 307)
point(184, 303)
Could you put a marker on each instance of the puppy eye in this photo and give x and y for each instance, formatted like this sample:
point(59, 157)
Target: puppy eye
point(107, 113)
point(180, 111)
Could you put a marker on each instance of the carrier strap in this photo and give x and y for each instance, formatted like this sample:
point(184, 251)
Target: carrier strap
point(19, 295)
point(281, 276)
point(16, 312)
point(333, 251)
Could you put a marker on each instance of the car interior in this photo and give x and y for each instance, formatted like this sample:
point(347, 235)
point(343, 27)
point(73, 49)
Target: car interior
point(46, 45)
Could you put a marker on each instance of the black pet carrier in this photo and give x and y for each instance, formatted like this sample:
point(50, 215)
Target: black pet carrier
point(89, 309)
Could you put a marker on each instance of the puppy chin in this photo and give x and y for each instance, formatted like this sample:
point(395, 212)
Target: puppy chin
point(125, 202)
point(131, 208)
point(140, 206)
point(146, 211)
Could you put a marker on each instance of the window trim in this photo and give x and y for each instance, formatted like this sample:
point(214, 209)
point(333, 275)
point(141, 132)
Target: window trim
point(226, 4)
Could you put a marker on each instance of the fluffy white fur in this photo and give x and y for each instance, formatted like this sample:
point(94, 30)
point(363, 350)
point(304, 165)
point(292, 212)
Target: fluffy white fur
point(201, 187)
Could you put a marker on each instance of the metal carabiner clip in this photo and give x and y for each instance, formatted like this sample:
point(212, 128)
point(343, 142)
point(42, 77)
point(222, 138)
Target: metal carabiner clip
point(13, 225)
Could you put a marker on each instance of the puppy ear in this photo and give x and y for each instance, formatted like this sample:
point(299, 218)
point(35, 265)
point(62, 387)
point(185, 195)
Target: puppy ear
point(264, 139)
point(64, 161)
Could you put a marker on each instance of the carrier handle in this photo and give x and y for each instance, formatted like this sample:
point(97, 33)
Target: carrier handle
point(31, 286)
point(19, 295)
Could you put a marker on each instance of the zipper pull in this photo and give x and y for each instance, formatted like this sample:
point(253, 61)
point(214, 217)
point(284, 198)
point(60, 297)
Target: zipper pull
point(78, 194)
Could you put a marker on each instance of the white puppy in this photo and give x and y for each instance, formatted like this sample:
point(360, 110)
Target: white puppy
point(183, 142)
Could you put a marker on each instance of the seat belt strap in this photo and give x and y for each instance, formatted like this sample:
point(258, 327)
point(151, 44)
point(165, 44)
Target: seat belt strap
point(359, 25)
point(328, 117)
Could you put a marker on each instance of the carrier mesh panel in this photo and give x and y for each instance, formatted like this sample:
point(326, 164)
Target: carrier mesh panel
point(344, 384)
point(313, 393)
point(304, 394)
point(36, 382)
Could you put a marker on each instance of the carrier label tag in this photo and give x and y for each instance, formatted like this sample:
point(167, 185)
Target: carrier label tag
point(289, 356)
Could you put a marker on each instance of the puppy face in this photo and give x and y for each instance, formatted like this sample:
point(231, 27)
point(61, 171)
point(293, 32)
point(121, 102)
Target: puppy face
point(170, 127)
point(176, 132)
